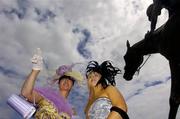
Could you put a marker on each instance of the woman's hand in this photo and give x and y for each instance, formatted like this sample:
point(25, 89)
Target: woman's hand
point(37, 60)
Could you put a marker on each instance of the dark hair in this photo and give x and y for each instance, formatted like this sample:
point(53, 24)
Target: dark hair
point(106, 69)
point(64, 76)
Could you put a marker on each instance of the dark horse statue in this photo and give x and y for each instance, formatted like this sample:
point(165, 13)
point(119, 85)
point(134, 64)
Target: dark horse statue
point(166, 41)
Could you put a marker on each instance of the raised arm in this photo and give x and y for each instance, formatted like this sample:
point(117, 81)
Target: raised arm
point(27, 89)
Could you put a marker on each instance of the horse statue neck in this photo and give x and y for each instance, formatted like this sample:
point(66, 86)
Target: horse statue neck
point(146, 46)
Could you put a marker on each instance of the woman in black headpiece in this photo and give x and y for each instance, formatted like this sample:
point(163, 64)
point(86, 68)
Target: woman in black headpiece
point(105, 100)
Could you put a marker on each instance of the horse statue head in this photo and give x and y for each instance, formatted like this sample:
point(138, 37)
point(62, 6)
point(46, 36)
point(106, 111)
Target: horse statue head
point(133, 59)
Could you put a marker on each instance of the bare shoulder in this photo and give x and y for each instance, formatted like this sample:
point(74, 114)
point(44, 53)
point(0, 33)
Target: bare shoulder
point(113, 92)
point(116, 97)
point(111, 89)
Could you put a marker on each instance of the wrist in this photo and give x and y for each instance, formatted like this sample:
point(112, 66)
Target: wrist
point(35, 71)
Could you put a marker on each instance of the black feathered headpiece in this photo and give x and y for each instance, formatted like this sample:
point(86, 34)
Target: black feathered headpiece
point(106, 69)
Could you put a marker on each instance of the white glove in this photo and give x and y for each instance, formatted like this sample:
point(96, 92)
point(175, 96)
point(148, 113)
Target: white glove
point(37, 60)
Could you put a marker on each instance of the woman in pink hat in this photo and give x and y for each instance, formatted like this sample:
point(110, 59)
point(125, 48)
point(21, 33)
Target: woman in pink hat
point(51, 103)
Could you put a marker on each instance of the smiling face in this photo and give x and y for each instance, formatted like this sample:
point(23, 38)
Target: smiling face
point(93, 78)
point(65, 84)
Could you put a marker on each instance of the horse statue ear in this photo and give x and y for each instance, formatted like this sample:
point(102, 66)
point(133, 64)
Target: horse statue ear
point(128, 44)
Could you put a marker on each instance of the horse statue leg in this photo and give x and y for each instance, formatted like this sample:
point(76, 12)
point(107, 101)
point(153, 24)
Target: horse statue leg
point(173, 109)
point(174, 100)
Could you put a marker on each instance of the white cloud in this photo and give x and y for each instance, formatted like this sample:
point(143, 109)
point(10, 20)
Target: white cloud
point(49, 24)
point(145, 104)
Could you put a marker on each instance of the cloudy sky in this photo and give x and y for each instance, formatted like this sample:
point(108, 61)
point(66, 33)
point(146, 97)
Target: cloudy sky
point(71, 31)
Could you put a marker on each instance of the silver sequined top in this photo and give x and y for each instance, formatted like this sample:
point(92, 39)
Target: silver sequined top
point(100, 109)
